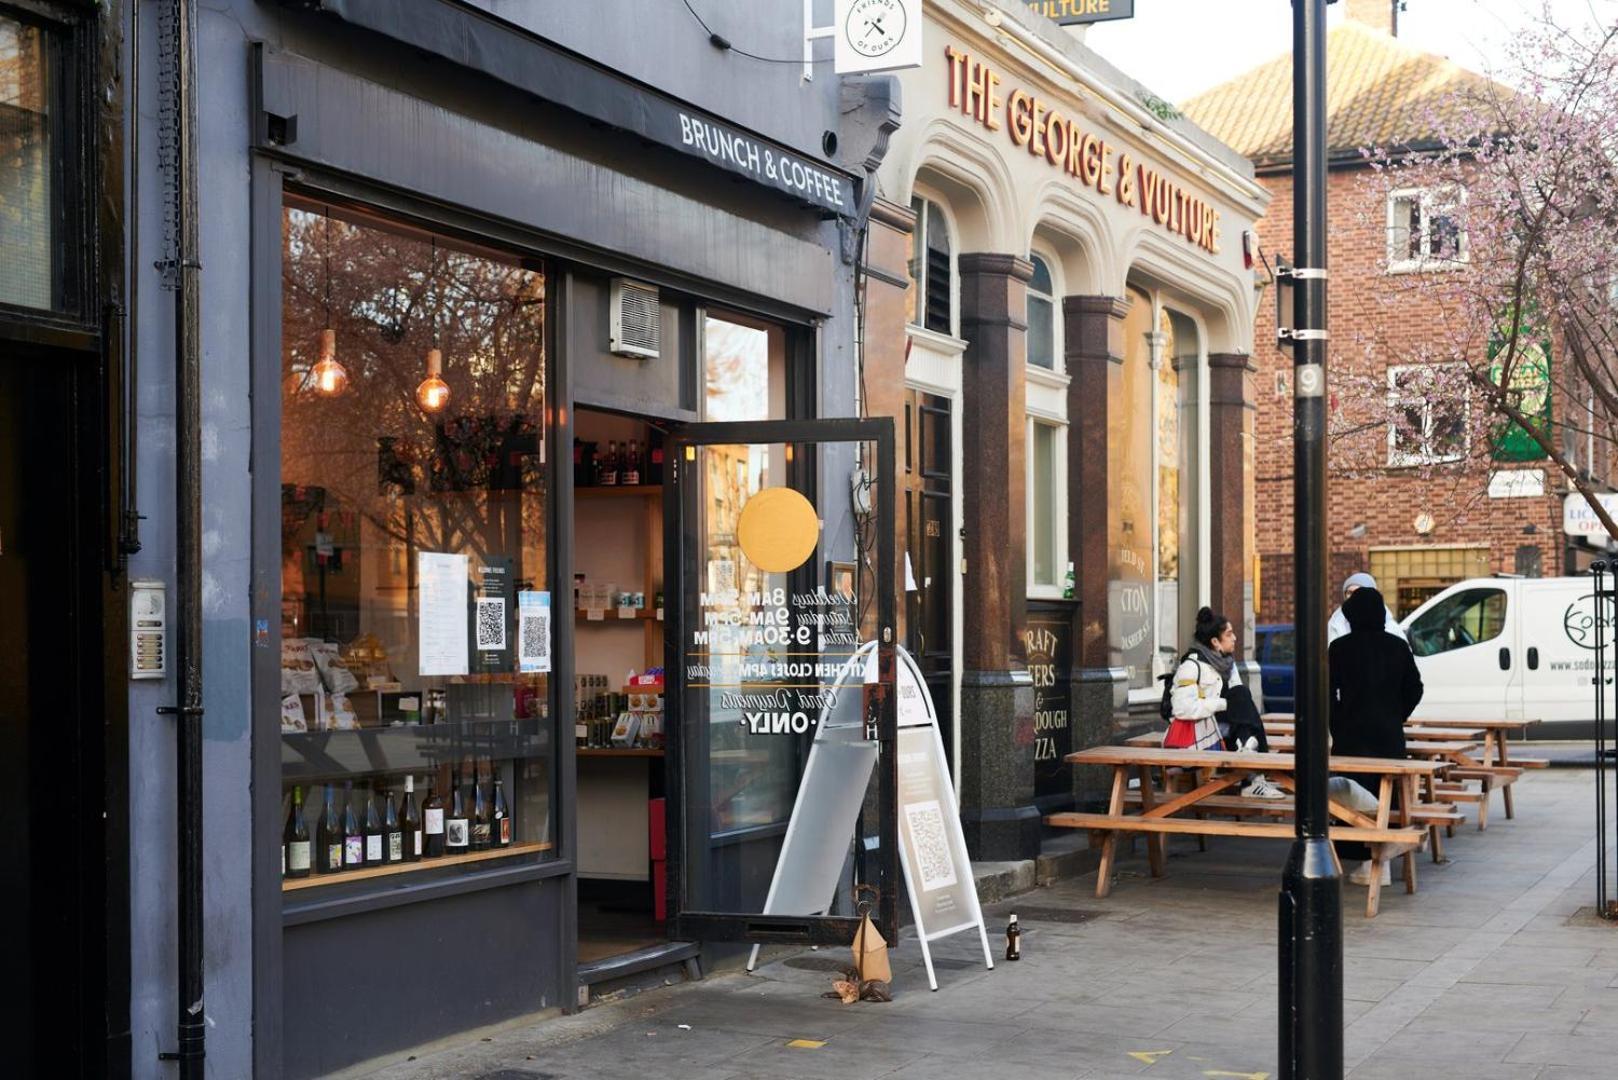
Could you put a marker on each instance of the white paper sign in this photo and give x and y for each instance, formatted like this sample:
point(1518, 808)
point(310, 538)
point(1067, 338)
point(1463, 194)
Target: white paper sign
point(533, 632)
point(1517, 484)
point(877, 35)
point(441, 624)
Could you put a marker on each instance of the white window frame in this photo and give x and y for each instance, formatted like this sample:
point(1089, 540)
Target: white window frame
point(1403, 459)
point(1038, 590)
point(931, 198)
point(1058, 362)
point(1399, 260)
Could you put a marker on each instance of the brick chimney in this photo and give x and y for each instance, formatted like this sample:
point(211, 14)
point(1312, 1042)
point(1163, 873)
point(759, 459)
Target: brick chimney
point(1380, 15)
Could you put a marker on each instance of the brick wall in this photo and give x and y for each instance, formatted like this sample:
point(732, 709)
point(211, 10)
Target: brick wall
point(1369, 507)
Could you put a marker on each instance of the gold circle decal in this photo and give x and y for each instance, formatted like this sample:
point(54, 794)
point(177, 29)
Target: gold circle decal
point(778, 530)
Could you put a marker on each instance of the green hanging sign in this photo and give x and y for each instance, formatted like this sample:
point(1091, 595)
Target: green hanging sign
point(1530, 389)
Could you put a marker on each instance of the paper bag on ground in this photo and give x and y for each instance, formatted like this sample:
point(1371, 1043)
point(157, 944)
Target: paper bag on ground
point(871, 953)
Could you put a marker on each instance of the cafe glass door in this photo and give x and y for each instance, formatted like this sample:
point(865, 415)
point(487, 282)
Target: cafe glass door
point(773, 587)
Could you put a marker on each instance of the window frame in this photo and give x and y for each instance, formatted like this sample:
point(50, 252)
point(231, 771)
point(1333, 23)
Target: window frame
point(1057, 365)
point(1399, 458)
point(931, 204)
point(1426, 199)
point(1035, 589)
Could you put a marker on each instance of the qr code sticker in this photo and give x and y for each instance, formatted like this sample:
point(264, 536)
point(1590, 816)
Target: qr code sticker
point(491, 628)
point(931, 843)
point(536, 636)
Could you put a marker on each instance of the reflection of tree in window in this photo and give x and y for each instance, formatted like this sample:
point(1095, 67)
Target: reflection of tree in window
point(1469, 617)
point(1041, 316)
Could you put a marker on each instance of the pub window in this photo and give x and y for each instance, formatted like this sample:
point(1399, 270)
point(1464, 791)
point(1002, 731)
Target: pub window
point(31, 152)
point(416, 592)
point(1047, 517)
point(1428, 409)
point(932, 269)
point(1041, 316)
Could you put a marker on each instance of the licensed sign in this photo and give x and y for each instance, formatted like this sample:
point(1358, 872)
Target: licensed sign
point(1579, 520)
point(1079, 12)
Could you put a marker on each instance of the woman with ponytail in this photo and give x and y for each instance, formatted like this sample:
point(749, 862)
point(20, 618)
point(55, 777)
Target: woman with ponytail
point(1207, 685)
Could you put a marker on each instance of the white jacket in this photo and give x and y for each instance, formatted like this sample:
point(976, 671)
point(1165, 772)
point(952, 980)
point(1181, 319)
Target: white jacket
point(1198, 690)
point(1337, 626)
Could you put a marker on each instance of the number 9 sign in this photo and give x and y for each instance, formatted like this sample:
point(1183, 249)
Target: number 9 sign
point(1311, 380)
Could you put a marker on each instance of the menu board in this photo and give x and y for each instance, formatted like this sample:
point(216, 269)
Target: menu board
point(441, 613)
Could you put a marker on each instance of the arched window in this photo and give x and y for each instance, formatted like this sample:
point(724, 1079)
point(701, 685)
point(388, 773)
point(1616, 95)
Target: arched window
point(931, 269)
point(1041, 316)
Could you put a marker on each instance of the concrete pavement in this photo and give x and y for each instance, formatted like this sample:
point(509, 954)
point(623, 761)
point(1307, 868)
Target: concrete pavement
point(1490, 972)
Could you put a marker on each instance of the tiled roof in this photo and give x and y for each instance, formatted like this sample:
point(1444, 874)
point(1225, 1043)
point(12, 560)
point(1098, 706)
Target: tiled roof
point(1379, 92)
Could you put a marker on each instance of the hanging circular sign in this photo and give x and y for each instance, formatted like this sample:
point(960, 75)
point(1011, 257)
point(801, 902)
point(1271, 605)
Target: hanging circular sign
point(778, 530)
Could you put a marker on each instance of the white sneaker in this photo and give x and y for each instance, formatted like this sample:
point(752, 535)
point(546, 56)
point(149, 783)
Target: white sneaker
point(1248, 745)
point(1259, 787)
point(1362, 875)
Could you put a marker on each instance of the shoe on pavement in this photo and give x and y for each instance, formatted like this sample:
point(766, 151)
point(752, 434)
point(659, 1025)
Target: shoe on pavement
point(1248, 745)
point(1259, 787)
point(1362, 875)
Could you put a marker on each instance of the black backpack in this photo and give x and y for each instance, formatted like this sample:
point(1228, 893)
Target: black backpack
point(1165, 708)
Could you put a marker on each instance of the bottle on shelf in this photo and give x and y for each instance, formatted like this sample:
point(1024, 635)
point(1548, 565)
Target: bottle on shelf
point(411, 819)
point(296, 850)
point(375, 841)
point(353, 836)
point(630, 471)
point(480, 815)
point(500, 816)
point(330, 837)
point(609, 468)
point(432, 814)
point(393, 838)
point(654, 457)
point(597, 464)
point(457, 827)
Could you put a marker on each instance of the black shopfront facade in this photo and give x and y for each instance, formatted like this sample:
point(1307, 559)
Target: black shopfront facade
point(481, 266)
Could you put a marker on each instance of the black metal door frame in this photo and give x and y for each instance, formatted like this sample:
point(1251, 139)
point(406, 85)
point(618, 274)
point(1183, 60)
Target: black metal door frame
point(680, 557)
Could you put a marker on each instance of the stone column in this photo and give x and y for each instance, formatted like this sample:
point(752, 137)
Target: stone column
point(997, 695)
point(1231, 411)
point(1093, 348)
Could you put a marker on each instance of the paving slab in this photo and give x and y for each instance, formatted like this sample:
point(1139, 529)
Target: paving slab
point(1494, 970)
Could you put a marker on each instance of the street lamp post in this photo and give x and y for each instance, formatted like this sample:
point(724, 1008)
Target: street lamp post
point(1311, 902)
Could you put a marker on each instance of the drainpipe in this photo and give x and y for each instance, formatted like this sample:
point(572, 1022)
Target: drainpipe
point(128, 515)
point(188, 555)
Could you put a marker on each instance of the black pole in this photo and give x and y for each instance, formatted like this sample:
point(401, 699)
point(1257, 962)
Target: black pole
point(1597, 571)
point(1311, 903)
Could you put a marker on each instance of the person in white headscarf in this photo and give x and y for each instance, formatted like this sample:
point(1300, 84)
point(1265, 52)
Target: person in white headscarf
point(1337, 626)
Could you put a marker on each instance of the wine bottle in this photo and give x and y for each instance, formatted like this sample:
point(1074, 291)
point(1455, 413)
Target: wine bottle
point(609, 468)
point(457, 829)
point(480, 815)
point(393, 839)
point(411, 818)
point(296, 840)
point(630, 472)
point(330, 838)
point(500, 822)
point(353, 837)
point(432, 812)
point(654, 467)
point(375, 841)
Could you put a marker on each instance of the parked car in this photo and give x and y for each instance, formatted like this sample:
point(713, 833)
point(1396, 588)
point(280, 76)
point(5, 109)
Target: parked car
point(1274, 647)
point(1509, 647)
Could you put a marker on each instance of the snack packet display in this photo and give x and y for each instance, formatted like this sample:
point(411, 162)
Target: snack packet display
point(298, 672)
point(333, 670)
point(342, 716)
point(292, 716)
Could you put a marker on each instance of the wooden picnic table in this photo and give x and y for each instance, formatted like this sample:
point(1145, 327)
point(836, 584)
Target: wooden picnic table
point(1494, 768)
point(1412, 731)
point(1392, 830)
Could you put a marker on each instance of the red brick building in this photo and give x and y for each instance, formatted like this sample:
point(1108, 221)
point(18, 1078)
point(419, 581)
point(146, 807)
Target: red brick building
point(1418, 510)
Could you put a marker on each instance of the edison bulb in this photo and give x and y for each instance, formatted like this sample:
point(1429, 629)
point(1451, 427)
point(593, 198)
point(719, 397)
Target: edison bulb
point(328, 376)
point(433, 393)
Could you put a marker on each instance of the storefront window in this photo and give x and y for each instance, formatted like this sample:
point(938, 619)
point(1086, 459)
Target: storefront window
point(1041, 316)
point(27, 187)
point(1043, 498)
point(1178, 365)
point(929, 301)
point(1130, 563)
point(415, 581)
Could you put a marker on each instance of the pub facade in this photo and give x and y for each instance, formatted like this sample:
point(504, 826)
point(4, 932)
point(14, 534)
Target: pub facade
point(1060, 309)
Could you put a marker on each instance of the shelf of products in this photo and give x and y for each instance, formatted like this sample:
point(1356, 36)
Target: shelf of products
point(625, 752)
point(611, 615)
point(622, 491)
point(391, 869)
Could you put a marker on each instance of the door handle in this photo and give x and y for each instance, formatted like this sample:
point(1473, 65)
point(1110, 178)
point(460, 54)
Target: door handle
point(1533, 658)
point(1505, 658)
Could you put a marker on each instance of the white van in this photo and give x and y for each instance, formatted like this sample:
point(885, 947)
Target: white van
point(1508, 647)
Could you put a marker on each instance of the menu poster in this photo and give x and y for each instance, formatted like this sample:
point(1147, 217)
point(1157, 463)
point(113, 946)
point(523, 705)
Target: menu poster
point(928, 824)
point(442, 599)
point(1049, 641)
point(493, 612)
point(533, 632)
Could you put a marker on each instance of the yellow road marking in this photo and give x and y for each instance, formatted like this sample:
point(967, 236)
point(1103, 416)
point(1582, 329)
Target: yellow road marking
point(816, 1044)
point(1149, 1056)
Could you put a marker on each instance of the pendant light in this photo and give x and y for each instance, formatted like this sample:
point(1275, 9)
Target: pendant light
point(433, 392)
point(328, 376)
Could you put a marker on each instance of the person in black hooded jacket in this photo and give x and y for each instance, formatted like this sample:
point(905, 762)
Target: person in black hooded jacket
point(1374, 688)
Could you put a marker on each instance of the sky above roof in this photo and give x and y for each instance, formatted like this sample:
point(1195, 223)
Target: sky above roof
point(1180, 48)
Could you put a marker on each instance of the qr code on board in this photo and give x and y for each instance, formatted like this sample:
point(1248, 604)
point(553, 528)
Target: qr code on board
point(491, 626)
point(536, 633)
point(931, 843)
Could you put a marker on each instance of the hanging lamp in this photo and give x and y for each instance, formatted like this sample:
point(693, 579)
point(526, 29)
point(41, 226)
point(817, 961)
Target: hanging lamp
point(328, 376)
point(433, 392)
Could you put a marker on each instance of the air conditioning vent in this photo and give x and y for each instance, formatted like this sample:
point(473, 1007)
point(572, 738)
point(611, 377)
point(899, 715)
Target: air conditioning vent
point(636, 328)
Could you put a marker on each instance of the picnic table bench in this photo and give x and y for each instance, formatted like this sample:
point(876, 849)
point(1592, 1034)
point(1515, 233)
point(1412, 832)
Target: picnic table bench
point(1391, 831)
